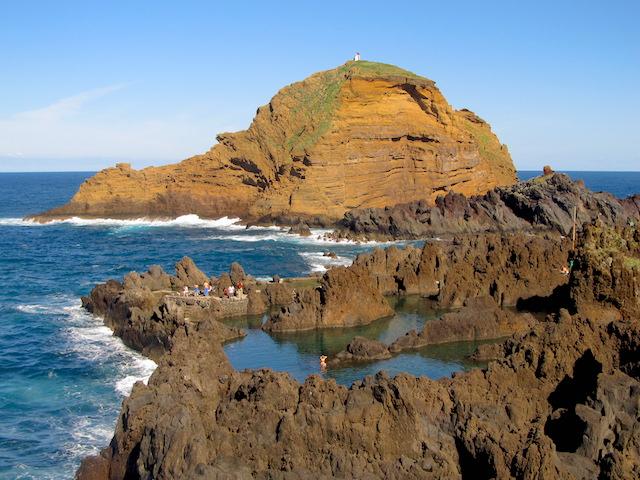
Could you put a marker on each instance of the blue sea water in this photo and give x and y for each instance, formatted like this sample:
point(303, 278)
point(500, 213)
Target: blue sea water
point(63, 375)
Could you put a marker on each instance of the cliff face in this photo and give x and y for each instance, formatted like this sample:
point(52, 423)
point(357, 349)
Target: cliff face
point(362, 135)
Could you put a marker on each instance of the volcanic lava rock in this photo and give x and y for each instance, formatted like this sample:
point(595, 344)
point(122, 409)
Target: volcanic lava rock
point(364, 134)
point(508, 268)
point(560, 401)
point(557, 404)
point(479, 319)
point(541, 203)
point(605, 279)
point(346, 297)
point(301, 229)
point(361, 349)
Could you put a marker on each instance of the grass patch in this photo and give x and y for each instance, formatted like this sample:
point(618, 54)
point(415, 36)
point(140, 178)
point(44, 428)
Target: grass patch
point(375, 69)
point(316, 99)
point(631, 262)
point(303, 283)
point(488, 145)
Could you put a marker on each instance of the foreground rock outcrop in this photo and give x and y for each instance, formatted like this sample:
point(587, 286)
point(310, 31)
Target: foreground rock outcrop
point(542, 203)
point(364, 134)
point(560, 400)
point(562, 403)
point(145, 310)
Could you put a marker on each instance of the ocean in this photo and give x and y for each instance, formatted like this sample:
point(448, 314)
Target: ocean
point(64, 376)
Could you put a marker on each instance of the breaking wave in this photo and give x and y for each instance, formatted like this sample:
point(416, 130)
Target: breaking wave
point(184, 221)
point(319, 262)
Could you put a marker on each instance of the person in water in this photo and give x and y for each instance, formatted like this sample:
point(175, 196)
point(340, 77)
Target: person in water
point(323, 362)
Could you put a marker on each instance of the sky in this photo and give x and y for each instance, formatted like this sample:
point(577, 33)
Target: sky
point(84, 85)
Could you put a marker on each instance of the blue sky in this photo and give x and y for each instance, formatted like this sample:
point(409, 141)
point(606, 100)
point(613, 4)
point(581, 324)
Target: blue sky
point(86, 84)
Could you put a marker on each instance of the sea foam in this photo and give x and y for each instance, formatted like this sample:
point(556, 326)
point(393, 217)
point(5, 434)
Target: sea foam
point(184, 221)
point(319, 262)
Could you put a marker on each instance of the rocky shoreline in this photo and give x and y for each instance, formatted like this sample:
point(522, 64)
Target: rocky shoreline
point(559, 400)
point(544, 203)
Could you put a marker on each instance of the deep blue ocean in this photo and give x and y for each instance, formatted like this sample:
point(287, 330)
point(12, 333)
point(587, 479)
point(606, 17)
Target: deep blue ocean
point(63, 375)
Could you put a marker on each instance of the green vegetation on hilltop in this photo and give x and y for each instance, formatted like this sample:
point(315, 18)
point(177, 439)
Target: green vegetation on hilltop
point(367, 69)
point(315, 100)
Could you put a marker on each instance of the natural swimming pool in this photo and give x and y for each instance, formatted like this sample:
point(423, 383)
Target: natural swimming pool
point(298, 353)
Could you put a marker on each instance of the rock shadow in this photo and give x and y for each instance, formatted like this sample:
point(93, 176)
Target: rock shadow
point(564, 426)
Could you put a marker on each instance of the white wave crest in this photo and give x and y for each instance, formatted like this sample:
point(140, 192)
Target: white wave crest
point(319, 262)
point(94, 342)
point(191, 220)
point(87, 337)
point(277, 234)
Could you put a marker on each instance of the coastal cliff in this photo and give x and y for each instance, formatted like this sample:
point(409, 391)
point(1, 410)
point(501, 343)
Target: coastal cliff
point(363, 135)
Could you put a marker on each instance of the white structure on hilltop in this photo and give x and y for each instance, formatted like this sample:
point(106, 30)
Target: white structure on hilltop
point(356, 57)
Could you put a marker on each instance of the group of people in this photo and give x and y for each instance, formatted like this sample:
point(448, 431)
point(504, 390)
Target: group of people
point(197, 292)
point(232, 290)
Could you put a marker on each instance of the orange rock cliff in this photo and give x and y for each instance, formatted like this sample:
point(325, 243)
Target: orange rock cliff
point(364, 134)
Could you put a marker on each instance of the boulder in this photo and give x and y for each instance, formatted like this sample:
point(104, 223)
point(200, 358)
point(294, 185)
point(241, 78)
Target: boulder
point(346, 297)
point(361, 349)
point(187, 273)
point(301, 229)
point(236, 273)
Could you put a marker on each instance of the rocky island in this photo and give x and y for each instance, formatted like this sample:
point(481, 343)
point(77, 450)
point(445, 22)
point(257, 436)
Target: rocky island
point(362, 135)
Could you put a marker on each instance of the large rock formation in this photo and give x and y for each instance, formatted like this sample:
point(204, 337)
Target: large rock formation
point(561, 401)
point(362, 135)
point(541, 203)
point(346, 297)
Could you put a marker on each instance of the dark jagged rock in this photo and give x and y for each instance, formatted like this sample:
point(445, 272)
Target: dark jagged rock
point(479, 319)
point(541, 203)
point(556, 405)
point(301, 229)
point(507, 268)
point(143, 312)
point(187, 273)
point(560, 400)
point(346, 297)
point(278, 293)
point(606, 275)
point(361, 349)
point(236, 273)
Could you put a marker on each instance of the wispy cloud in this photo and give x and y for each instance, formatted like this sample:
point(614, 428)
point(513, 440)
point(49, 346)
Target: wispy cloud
point(68, 106)
point(74, 130)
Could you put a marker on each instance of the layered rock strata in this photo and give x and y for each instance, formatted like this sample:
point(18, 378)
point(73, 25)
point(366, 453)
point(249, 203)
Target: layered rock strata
point(364, 134)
